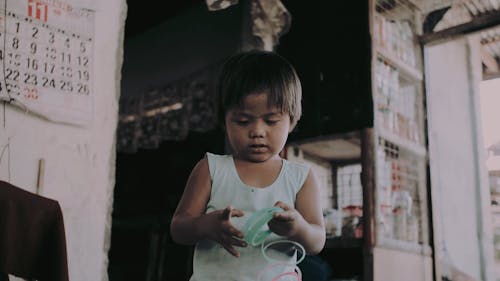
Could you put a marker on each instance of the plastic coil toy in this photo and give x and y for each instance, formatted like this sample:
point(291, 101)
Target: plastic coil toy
point(298, 249)
point(294, 274)
point(255, 232)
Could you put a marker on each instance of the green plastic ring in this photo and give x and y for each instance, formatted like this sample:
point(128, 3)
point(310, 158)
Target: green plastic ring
point(254, 235)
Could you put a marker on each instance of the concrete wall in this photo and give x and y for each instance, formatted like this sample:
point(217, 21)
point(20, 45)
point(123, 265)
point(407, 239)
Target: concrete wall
point(79, 161)
point(460, 191)
point(395, 265)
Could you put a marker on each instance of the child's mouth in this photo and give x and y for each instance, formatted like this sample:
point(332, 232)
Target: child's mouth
point(258, 147)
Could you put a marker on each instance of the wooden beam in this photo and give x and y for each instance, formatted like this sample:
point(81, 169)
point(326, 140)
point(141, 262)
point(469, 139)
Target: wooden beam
point(368, 172)
point(433, 18)
point(490, 76)
point(478, 23)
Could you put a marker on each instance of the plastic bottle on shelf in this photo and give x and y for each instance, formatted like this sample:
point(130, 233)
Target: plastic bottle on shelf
point(387, 35)
point(395, 97)
point(402, 203)
point(395, 37)
point(383, 178)
point(381, 97)
point(412, 229)
point(333, 222)
point(377, 34)
point(409, 56)
point(383, 168)
point(401, 46)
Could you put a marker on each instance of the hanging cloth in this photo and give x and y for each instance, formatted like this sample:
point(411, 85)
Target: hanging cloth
point(32, 237)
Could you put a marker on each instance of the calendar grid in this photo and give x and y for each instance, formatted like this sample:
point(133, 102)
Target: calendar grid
point(47, 58)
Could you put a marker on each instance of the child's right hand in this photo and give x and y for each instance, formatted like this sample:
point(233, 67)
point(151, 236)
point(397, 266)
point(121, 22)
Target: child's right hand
point(216, 226)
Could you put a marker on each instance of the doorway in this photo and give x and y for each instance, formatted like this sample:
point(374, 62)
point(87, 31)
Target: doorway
point(454, 70)
point(149, 184)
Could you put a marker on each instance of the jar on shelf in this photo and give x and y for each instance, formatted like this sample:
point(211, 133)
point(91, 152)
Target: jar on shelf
point(351, 221)
point(333, 222)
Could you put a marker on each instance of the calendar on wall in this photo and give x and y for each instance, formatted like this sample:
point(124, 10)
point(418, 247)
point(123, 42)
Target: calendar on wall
point(46, 59)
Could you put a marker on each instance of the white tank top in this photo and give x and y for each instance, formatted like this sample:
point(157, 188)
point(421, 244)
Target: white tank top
point(211, 261)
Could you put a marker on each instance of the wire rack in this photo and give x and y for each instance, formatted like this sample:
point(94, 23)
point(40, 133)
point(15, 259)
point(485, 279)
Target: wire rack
point(401, 192)
point(349, 188)
point(350, 200)
point(399, 106)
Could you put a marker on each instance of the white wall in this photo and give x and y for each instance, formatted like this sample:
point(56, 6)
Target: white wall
point(457, 162)
point(490, 101)
point(79, 161)
point(410, 266)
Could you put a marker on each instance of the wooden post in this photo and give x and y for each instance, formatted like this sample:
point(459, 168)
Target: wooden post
point(368, 182)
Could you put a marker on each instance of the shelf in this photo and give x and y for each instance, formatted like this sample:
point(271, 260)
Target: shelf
point(341, 147)
point(405, 246)
point(343, 243)
point(407, 71)
point(415, 148)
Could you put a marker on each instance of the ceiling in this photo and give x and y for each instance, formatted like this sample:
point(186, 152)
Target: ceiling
point(141, 16)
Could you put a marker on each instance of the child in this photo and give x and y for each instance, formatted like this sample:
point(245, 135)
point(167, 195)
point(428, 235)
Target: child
point(260, 104)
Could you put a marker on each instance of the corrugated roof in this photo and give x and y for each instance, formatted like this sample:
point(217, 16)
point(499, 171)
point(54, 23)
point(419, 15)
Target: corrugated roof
point(460, 12)
point(474, 6)
point(463, 11)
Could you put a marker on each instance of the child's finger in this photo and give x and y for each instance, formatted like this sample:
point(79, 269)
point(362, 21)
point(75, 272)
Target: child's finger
point(284, 216)
point(237, 213)
point(232, 240)
point(282, 205)
point(226, 213)
point(231, 249)
point(238, 242)
point(234, 232)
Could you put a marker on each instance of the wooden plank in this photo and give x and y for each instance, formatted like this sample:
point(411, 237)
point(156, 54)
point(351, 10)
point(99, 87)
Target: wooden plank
point(368, 183)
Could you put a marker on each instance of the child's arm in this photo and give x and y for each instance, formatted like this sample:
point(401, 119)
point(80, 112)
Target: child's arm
point(190, 224)
point(304, 224)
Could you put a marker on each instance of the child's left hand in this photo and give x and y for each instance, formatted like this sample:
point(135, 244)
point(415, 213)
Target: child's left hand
point(285, 223)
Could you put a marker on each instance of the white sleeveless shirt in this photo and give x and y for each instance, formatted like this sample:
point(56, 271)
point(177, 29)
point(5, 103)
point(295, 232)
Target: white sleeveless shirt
point(211, 261)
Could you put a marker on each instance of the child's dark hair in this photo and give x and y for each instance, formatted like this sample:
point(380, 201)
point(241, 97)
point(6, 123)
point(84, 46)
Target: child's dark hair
point(258, 71)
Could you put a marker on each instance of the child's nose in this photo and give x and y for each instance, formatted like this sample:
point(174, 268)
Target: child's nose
point(257, 130)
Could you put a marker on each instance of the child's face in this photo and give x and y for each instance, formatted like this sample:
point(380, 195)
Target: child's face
point(257, 132)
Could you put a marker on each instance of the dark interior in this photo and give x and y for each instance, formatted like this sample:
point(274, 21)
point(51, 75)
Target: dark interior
point(328, 44)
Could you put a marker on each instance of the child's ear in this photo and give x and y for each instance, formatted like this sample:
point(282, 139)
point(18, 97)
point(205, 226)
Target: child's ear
point(292, 126)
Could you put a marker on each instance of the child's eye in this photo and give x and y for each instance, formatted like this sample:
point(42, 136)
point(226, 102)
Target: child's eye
point(241, 122)
point(272, 121)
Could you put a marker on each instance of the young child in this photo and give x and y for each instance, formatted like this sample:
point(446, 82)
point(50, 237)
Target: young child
point(260, 104)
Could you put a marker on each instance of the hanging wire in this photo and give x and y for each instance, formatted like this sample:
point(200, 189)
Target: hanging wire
point(5, 148)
